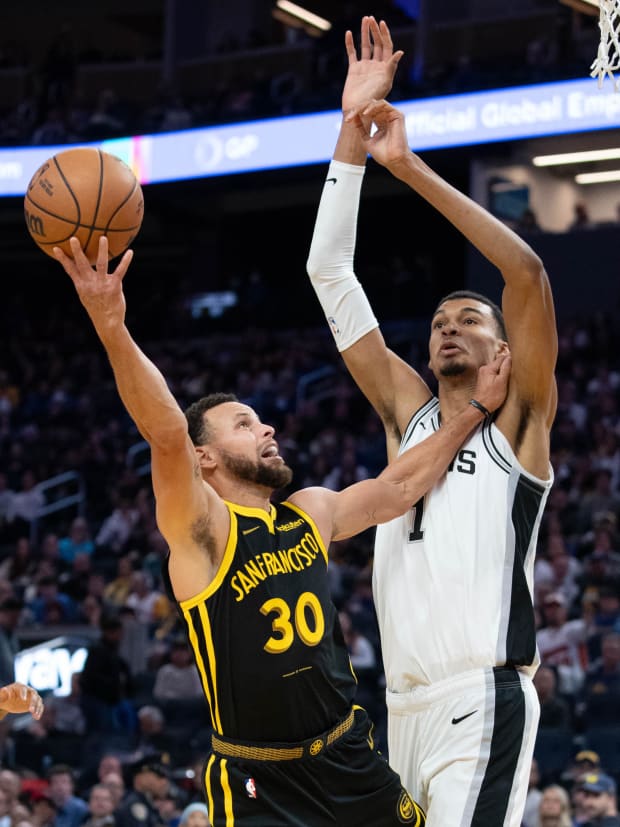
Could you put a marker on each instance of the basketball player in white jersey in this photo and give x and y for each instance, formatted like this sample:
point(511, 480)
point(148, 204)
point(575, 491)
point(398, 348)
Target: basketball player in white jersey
point(453, 578)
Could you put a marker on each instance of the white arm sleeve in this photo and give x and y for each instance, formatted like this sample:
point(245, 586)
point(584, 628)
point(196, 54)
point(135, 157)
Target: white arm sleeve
point(330, 262)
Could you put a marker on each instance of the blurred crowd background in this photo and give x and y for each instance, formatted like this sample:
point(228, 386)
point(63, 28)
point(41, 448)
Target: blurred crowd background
point(80, 553)
point(141, 72)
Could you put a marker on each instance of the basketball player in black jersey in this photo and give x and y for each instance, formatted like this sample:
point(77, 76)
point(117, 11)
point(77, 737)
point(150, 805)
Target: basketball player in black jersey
point(249, 577)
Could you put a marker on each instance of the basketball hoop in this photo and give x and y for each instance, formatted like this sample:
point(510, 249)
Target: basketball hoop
point(607, 60)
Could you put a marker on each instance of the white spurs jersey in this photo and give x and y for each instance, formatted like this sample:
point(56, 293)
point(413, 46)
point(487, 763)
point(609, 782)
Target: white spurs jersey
point(453, 577)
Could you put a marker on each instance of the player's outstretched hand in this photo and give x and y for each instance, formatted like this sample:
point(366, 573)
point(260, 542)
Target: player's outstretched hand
point(370, 76)
point(388, 145)
point(17, 697)
point(100, 292)
point(492, 383)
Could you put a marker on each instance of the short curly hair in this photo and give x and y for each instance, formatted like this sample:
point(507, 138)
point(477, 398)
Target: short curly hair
point(198, 429)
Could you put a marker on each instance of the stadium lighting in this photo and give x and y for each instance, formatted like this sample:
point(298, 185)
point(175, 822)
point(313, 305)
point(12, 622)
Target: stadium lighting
point(576, 157)
point(598, 177)
point(303, 16)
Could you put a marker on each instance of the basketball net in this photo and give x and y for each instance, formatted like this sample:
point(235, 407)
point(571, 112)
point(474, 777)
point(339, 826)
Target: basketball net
point(608, 58)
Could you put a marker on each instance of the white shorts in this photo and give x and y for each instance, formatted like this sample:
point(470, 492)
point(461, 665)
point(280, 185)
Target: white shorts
point(463, 746)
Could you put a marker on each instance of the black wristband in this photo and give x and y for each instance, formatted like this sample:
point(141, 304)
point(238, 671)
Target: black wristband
point(480, 407)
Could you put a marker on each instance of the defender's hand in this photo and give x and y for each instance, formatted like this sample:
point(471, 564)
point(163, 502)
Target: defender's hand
point(492, 383)
point(389, 145)
point(371, 75)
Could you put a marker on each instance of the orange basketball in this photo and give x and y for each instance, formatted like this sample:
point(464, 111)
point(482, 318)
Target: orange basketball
point(86, 193)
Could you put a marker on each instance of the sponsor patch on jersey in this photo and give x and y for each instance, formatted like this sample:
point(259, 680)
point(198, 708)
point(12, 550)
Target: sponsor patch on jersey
point(408, 811)
point(290, 525)
point(250, 787)
point(333, 325)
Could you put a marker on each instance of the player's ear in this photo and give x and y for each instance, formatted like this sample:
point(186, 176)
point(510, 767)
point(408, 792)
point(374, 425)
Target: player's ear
point(206, 456)
point(502, 348)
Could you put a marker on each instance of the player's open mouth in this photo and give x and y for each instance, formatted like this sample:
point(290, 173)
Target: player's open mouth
point(270, 451)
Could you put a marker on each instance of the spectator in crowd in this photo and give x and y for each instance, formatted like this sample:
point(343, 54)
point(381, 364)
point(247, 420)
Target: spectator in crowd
point(600, 804)
point(606, 618)
point(601, 565)
point(347, 471)
point(555, 712)
point(601, 691)
point(63, 713)
point(116, 785)
point(143, 598)
point(554, 809)
point(558, 569)
point(44, 810)
point(101, 806)
point(584, 762)
point(53, 129)
point(178, 680)
point(91, 611)
point(51, 605)
point(70, 809)
point(6, 507)
point(152, 736)
point(117, 528)
point(10, 784)
point(106, 121)
point(581, 217)
point(195, 815)
point(195, 775)
point(534, 795)
point(106, 682)
point(49, 551)
point(117, 590)
point(150, 782)
point(599, 499)
point(108, 764)
point(136, 641)
point(19, 567)
point(78, 541)
point(561, 643)
point(10, 611)
point(361, 651)
point(74, 582)
point(578, 803)
point(24, 505)
point(5, 813)
point(169, 807)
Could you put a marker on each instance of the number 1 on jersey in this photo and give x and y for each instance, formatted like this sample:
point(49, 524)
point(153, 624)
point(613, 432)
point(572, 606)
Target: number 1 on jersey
point(417, 512)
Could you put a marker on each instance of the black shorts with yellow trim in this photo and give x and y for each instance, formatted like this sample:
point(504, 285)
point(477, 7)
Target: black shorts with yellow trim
point(338, 778)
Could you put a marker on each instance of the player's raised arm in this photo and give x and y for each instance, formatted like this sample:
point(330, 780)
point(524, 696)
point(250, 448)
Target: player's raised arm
point(527, 301)
point(180, 492)
point(407, 478)
point(392, 387)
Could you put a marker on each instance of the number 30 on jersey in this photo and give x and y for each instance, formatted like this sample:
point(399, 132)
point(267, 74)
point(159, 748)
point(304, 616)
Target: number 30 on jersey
point(307, 608)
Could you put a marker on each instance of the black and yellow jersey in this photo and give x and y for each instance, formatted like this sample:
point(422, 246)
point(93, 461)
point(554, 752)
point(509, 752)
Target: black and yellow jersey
point(265, 633)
